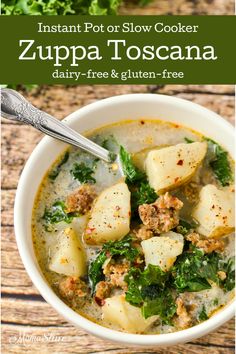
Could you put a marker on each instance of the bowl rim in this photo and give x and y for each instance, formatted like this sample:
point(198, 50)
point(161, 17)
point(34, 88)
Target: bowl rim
point(71, 316)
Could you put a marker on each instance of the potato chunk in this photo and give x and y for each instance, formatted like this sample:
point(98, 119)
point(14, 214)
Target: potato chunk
point(110, 215)
point(117, 311)
point(172, 166)
point(162, 250)
point(139, 157)
point(69, 258)
point(215, 211)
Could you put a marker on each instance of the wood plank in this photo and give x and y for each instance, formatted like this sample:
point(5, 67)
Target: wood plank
point(73, 97)
point(180, 7)
point(30, 313)
point(18, 339)
point(7, 208)
point(14, 279)
point(17, 144)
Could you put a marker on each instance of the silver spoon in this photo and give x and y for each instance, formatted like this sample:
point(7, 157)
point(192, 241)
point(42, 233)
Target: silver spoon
point(15, 107)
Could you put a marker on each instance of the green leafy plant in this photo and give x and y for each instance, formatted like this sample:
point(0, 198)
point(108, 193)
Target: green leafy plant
point(149, 290)
point(185, 227)
point(189, 141)
point(132, 173)
point(229, 268)
point(56, 214)
point(144, 194)
point(110, 143)
point(219, 162)
point(141, 191)
point(193, 270)
point(83, 173)
point(121, 248)
point(162, 305)
point(55, 172)
point(65, 7)
point(202, 315)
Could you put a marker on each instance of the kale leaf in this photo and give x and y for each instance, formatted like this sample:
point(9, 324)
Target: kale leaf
point(95, 269)
point(144, 194)
point(229, 268)
point(25, 87)
point(55, 172)
point(139, 282)
point(193, 269)
point(219, 162)
point(202, 315)
point(141, 191)
point(187, 271)
point(122, 248)
point(56, 214)
point(184, 227)
point(58, 7)
point(83, 173)
point(132, 173)
point(188, 141)
point(110, 143)
point(163, 305)
point(148, 290)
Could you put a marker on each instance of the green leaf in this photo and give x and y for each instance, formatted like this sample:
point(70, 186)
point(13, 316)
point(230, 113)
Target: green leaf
point(140, 282)
point(184, 227)
point(144, 194)
point(110, 143)
point(219, 162)
point(95, 269)
point(141, 191)
point(83, 173)
point(55, 172)
point(122, 248)
point(193, 270)
point(149, 290)
point(26, 87)
point(130, 171)
point(202, 315)
point(189, 141)
point(59, 7)
point(163, 305)
point(229, 268)
point(189, 271)
point(56, 214)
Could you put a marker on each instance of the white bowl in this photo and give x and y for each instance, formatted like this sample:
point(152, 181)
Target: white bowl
point(114, 109)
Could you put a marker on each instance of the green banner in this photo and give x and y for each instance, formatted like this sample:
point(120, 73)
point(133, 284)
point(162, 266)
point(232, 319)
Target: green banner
point(117, 49)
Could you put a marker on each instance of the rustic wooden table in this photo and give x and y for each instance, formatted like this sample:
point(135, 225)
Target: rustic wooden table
point(29, 324)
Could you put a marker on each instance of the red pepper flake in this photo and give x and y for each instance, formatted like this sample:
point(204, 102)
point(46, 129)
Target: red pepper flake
point(180, 162)
point(142, 122)
point(176, 179)
point(176, 125)
point(213, 206)
point(90, 230)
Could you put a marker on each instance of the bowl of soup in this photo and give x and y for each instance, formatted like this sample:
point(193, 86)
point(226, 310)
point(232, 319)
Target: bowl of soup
point(145, 257)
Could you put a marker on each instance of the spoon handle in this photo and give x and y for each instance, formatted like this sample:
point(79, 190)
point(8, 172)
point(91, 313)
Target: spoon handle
point(15, 107)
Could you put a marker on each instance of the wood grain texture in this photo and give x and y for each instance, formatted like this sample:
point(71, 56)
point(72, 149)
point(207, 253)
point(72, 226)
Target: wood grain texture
point(180, 7)
point(30, 325)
